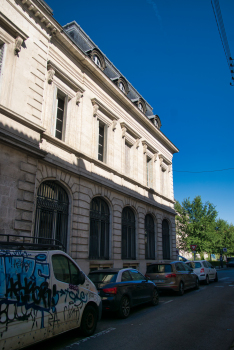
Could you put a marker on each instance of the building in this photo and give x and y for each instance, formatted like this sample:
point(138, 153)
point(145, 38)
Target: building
point(83, 159)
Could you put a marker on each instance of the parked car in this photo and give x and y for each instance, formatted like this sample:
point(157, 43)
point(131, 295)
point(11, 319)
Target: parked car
point(121, 289)
point(204, 270)
point(230, 262)
point(176, 276)
point(42, 293)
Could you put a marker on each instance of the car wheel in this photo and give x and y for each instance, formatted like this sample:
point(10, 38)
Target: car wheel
point(181, 289)
point(207, 281)
point(197, 284)
point(124, 308)
point(216, 277)
point(89, 321)
point(155, 298)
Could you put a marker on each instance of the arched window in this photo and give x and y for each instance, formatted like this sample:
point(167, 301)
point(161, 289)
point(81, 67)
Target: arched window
point(99, 229)
point(51, 213)
point(166, 239)
point(149, 237)
point(128, 234)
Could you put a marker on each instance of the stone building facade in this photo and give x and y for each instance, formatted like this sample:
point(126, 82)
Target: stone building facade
point(82, 156)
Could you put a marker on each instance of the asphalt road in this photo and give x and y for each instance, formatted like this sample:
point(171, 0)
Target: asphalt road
point(198, 320)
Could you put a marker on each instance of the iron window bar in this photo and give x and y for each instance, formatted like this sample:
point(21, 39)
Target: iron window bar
point(22, 242)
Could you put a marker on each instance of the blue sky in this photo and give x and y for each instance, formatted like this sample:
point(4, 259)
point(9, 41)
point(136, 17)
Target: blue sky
point(172, 54)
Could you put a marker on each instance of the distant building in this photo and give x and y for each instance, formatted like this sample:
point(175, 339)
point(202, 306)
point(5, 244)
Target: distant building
point(82, 156)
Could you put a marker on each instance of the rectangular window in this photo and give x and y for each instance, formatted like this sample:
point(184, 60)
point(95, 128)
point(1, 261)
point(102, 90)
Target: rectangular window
point(61, 109)
point(101, 134)
point(127, 159)
point(149, 171)
point(2, 46)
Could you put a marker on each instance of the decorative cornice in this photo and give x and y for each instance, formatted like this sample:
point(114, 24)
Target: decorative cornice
point(99, 106)
point(164, 159)
point(11, 28)
point(20, 119)
point(53, 69)
point(130, 131)
point(38, 13)
point(21, 143)
point(147, 145)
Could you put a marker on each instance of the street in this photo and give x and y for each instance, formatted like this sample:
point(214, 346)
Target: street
point(201, 319)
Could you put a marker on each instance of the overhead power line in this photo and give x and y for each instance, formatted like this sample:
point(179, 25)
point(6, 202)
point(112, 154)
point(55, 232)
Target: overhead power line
point(204, 171)
point(223, 37)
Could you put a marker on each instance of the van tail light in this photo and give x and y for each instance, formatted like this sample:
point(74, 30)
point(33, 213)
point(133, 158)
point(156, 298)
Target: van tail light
point(147, 276)
point(202, 270)
point(169, 275)
point(110, 290)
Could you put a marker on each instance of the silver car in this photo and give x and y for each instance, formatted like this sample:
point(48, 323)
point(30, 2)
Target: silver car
point(176, 276)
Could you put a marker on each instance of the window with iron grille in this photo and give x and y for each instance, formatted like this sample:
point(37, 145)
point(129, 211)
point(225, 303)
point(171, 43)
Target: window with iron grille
point(99, 229)
point(128, 234)
point(166, 239)
point(51, 213)
point(149, 237)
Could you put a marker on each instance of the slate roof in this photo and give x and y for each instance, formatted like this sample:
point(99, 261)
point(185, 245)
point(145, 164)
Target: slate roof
point(85, 44)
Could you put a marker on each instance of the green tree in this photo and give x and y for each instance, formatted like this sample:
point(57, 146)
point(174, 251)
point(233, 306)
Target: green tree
point(195, 224)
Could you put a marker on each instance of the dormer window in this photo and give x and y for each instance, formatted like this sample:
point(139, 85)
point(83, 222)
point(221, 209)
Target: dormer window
point(97, 61)
point(140, 103)
point(98, 58)
point(140, 107)
point(121, 86)
point(156, 121)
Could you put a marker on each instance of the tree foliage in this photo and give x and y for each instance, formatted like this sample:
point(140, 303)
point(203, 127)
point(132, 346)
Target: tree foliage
point(196, 224)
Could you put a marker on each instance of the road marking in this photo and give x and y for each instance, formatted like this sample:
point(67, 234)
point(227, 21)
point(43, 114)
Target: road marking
point(231, 285)
point(168, 301)
point(108, 330)
point(224, 278)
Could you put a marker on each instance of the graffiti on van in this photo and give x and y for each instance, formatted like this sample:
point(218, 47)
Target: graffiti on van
point(25, 290)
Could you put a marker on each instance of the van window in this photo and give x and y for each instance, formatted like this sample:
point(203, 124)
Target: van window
point(64, 270)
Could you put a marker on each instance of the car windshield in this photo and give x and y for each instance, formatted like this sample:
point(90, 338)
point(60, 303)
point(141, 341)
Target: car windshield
point(103, 277)
point(159, 268)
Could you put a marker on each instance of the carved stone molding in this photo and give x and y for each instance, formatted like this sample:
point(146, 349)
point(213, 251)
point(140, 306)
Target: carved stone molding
point(103, 109)
point(114, 125)
point(51, 73)
point(18, 44)
point(95, 109)
point(37, 12)
point(78, 97)
point(59, 72)
point(137, 143)
point(144, 147)
point(124, 129)
point(155, 157)
point(147, 145)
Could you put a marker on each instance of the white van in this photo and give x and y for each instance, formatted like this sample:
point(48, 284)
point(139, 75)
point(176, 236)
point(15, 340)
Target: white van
point(43, 293)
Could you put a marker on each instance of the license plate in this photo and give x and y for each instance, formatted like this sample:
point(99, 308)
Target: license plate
point(158, 281)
